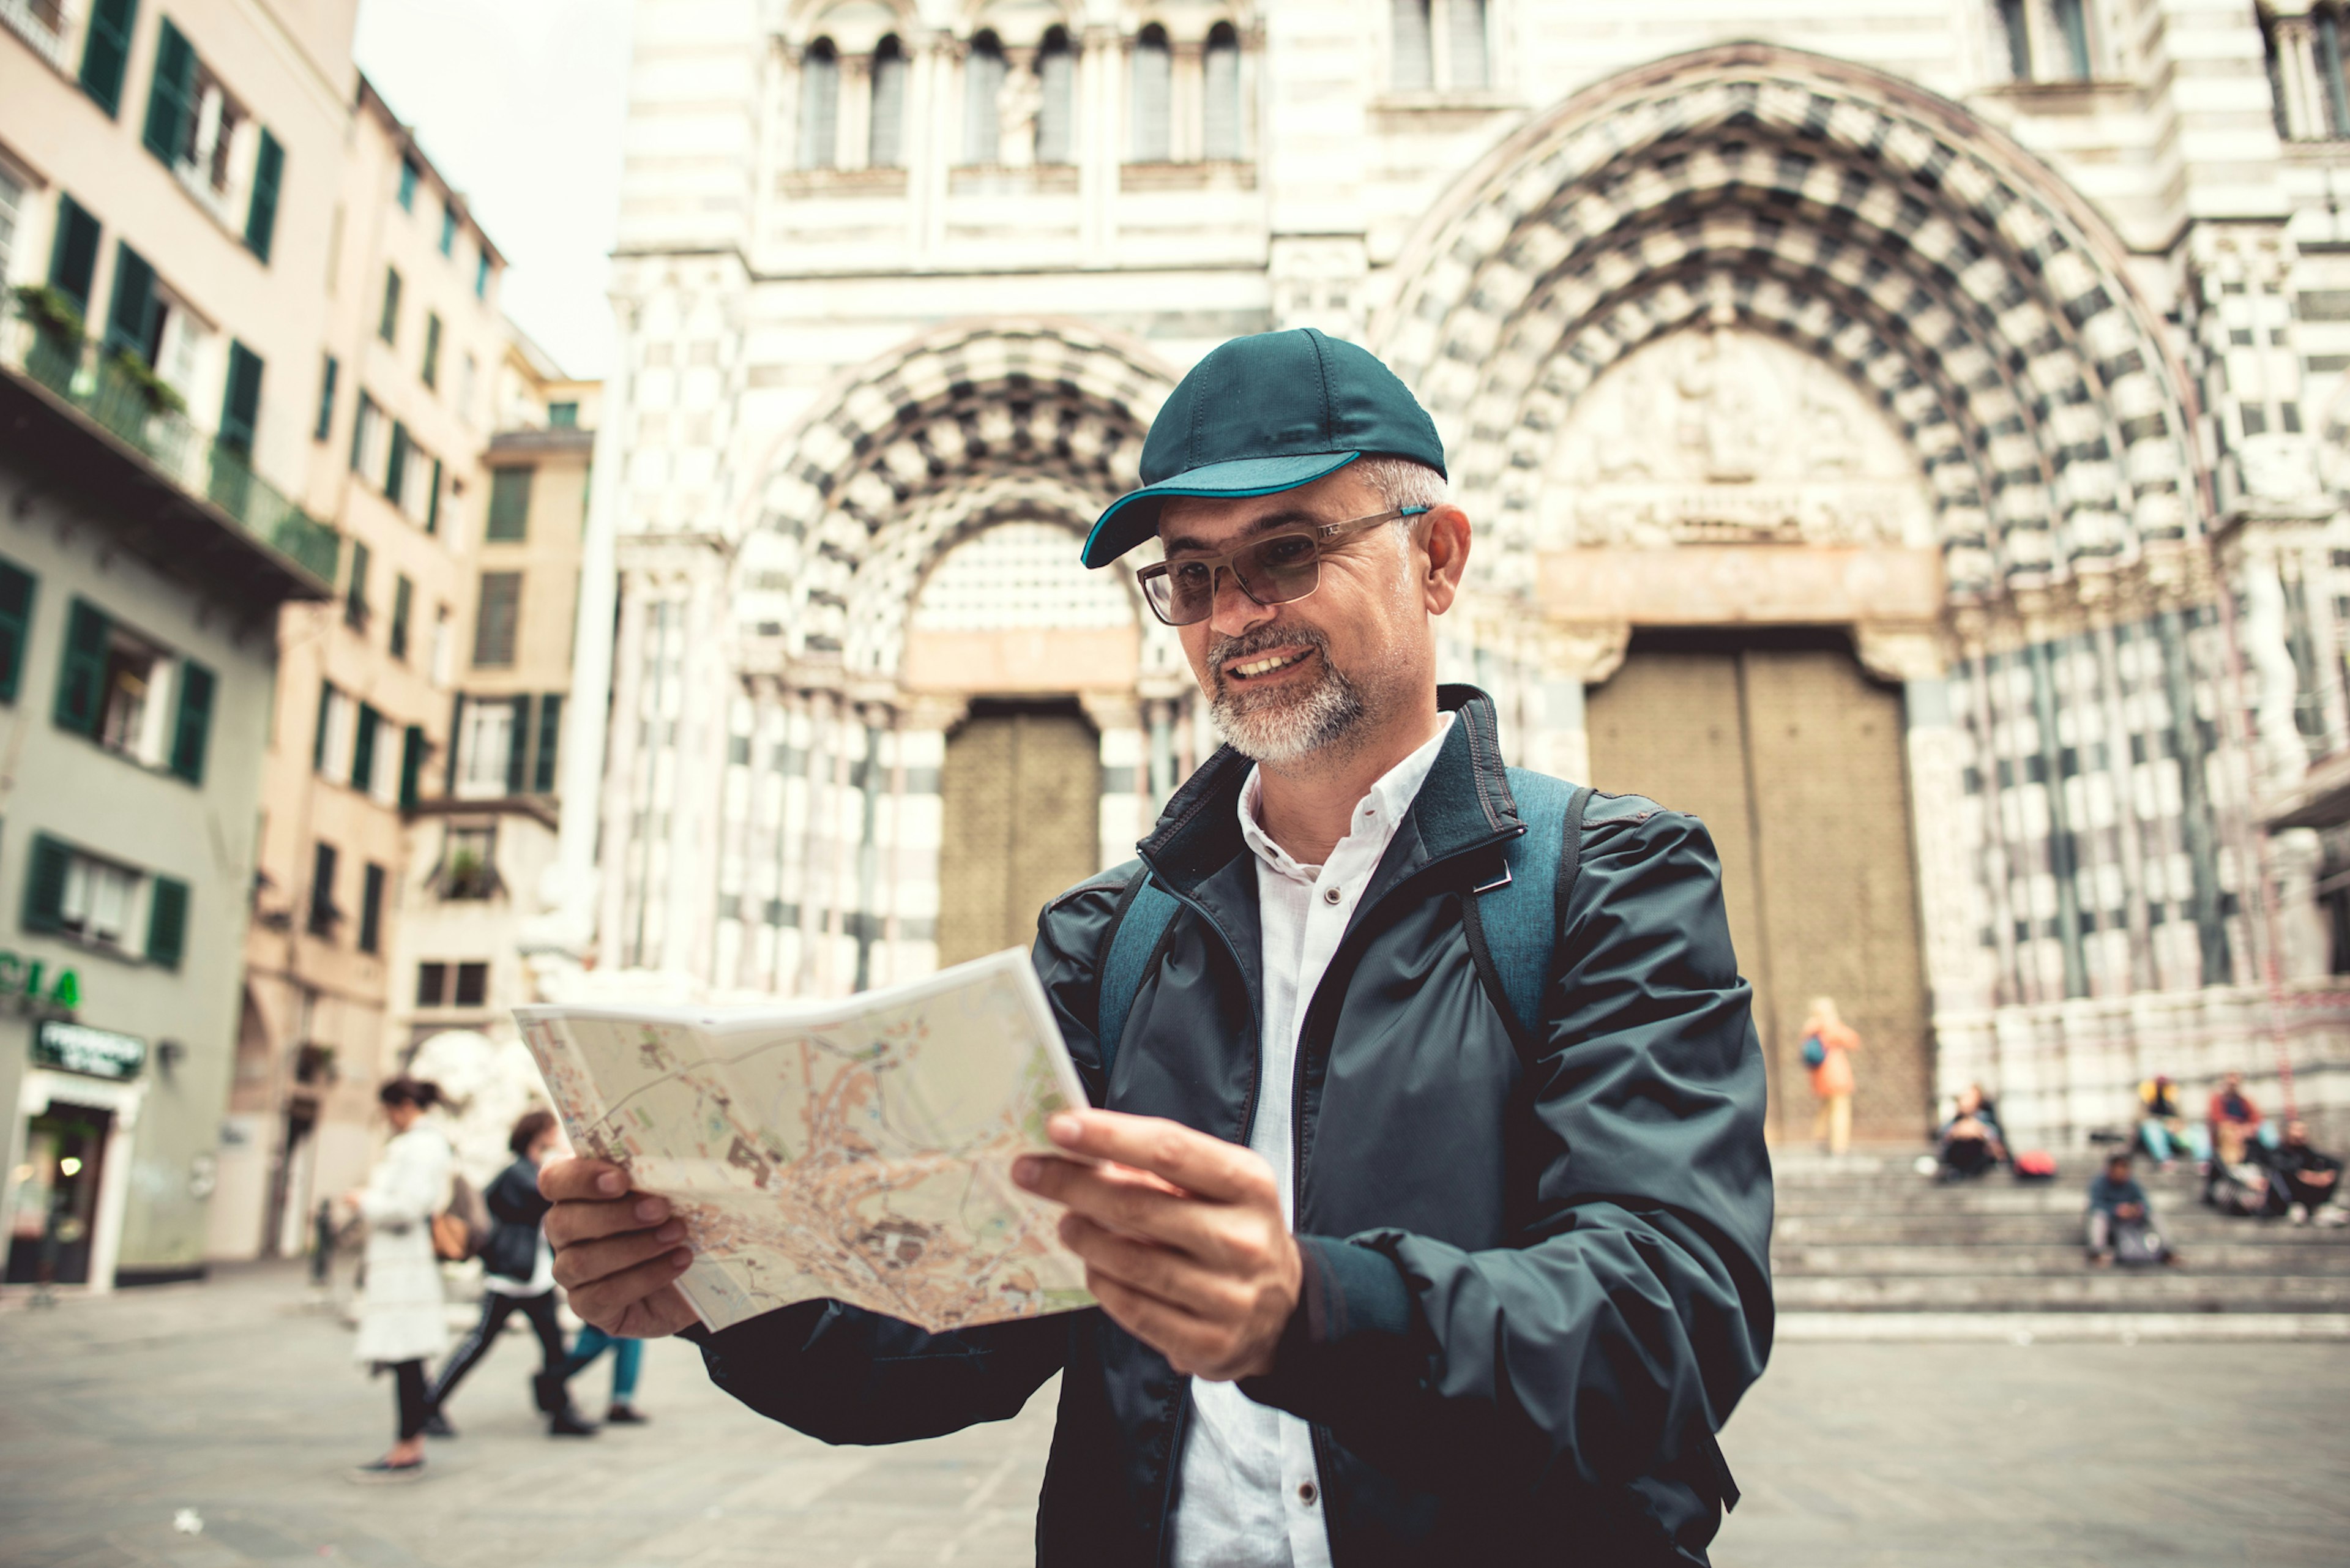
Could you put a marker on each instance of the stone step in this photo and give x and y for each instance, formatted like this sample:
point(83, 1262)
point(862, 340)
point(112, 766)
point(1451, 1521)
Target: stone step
point(2025, 1230)
point(2084, 1290)
point(2009, 1199)
point(2014, 1260)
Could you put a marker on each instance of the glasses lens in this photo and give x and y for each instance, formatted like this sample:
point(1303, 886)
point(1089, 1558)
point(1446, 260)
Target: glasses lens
point(1279, 569)
point(1183, 594)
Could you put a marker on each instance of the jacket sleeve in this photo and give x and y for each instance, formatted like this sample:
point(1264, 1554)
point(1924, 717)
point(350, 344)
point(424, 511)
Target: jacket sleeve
point(407, 1186)
point(1615, 1339)
point(513, 1197)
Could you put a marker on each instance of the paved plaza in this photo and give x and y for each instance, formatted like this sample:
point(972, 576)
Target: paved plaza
point(123, 1418)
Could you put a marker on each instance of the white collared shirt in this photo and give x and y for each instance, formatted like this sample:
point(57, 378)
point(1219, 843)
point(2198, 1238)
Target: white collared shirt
point(1251, 1495)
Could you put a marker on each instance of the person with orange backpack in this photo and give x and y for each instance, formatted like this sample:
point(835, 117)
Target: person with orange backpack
point(1828, 1044)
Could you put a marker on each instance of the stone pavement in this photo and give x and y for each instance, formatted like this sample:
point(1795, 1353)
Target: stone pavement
point(230, 1399)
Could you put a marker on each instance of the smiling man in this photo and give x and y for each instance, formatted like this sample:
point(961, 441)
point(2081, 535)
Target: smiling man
point(1428, 1210)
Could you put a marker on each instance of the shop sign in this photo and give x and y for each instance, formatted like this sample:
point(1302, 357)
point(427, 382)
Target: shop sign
point(97, 1052)
point(30, 980)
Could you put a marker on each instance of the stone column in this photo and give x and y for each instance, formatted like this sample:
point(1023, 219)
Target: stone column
point(1956, 974)
point(1118, 717)
point(614, 795)
point(917, 829)
point(1574, 655)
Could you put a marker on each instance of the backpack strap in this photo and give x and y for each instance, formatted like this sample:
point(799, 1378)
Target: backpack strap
point(1133, 942)
point(1517, 919)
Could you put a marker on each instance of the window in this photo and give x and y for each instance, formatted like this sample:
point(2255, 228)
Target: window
point(1413, 66)
point(327, 399)
point(410, 172)
point(468, 869)
point(192, 721)
point(983, 83)
point(323, 916)
point(371, 908)
point(819, 106)
point(2072, 33)
point(363, 748)
point(496, 619)
point(16, 626)
point(548, 748)
point(73, 253)
point(431, 373)
point(431, 984)
point(387, 328)
point(331, 741)
point(106, 53)
point(472, 985)
point(370, 433)
point(130, 697)
point(240, 396)
point(72, 893)
point(487, 736)
point(481, 276)
point(355, 592)
point(1465, 35)
point(395, 464)
point(509, 505)
point(563, 416)
point(412, 749)
point(12, 204)
point(197, 128)
point(1154, 85)
point(884, 144)
point(1220, 117)
point(134, 321)
point(261, 217)
point(98, 899)
point(448, 228)
point(403, 605)
point(1056, 98)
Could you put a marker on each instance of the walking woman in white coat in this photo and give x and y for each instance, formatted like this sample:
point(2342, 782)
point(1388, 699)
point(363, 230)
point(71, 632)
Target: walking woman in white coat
point(401, 1317)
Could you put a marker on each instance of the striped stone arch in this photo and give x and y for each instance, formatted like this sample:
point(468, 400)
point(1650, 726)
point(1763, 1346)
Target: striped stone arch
point(862, 494)
point(1956, 280)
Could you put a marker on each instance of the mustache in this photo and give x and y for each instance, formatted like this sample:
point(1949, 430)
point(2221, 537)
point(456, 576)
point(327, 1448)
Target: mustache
point(1263, 640)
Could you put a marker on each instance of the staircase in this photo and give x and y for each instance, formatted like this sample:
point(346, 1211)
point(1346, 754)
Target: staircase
point(1868, 1235)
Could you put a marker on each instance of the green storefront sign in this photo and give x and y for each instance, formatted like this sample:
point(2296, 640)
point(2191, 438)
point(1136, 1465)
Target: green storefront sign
point(33, 979)
point(94, 1053)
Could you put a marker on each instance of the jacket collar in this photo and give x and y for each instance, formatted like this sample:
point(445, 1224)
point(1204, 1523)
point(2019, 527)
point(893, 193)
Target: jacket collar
point(1465, 802)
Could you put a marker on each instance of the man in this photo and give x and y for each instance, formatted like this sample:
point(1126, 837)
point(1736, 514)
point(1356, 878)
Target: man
point(2116, 1202)
point(2235, 1120)
point(1385, 1275)
point(2312, 1180)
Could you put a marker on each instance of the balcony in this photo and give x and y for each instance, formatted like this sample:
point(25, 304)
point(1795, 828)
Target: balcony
point(44, 25)
point(191, 502)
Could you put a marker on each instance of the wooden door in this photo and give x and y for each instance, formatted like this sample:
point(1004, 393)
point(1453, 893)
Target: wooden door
point(1021, 821)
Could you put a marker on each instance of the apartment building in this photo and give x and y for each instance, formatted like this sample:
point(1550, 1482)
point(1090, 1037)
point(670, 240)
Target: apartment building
point(413, 348)
point(168, 185)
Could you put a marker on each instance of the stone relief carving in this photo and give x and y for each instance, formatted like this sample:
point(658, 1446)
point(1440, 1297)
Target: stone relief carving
point(1721, 435)
point(1017, 103)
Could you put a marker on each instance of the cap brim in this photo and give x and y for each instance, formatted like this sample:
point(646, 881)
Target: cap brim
point(1134, 516)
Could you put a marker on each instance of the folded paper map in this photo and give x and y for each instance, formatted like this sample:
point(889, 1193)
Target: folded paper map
point(858, 1150)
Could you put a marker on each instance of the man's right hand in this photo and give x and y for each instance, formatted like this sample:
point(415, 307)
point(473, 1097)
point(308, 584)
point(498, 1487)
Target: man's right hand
point(617, 1252)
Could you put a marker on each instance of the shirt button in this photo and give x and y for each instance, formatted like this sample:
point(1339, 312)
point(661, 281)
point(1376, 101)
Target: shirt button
point(1306, 1493)
point(1330, 894)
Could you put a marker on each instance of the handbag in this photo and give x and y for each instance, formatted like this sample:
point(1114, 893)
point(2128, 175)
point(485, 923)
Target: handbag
point(462, 1226)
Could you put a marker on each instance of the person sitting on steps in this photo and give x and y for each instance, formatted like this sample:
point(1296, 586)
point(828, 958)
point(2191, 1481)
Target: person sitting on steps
point(2120, 1218)
point(2311, 1181)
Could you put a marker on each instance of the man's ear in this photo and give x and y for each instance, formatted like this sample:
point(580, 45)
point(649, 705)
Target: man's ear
point(1447, 551)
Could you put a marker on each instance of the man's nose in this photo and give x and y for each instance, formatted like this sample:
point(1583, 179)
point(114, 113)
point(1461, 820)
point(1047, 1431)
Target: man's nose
point(1235, 611)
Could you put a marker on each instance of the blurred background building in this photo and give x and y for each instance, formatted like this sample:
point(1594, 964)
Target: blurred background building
point(1904, 435)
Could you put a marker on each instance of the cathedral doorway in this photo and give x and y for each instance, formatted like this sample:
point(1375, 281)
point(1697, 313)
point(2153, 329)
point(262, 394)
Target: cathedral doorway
point(1021, 821)
point(1792, 757)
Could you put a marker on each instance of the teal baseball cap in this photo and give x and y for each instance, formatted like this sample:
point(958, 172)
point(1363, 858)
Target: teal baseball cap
point(1263, 414)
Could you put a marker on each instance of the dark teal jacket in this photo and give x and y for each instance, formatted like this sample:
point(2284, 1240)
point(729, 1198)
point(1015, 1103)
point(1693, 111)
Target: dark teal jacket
point(1537, 1273)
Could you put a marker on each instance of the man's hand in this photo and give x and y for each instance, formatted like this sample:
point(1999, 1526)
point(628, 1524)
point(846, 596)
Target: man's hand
point(1182, 1238)
point(617, 1252)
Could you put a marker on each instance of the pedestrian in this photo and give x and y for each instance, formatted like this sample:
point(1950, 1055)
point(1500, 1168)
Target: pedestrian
point(1829, 1045)
point(2119, 1218)
point(1428, 1211)
point(628, 1364)
point(1970, 1142)
point(2310, 1183)
point(402, 1319)
point(518, 1276)
point(2235, 1121)
point(2163, 1126)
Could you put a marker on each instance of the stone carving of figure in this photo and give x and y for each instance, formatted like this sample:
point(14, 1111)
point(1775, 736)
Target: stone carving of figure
point(1017, 102)
point(1721, 416)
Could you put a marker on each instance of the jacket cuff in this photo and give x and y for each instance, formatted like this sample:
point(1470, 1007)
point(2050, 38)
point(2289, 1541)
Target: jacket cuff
point(1350, 1338)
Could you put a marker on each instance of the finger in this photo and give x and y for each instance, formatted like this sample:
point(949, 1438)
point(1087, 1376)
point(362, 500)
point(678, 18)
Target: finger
point(1191, 1346)
point(1207, 1166)
point(576, 1220)
point(605, 1301)
point(584, 1263)
point(561, 1180)
point(1161, 1272)
point(1129, 1206)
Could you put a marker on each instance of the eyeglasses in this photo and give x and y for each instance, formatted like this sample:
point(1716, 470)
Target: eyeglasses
point(1277, 569)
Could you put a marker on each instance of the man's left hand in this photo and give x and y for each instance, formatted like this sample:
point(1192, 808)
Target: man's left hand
point(1183, 1236)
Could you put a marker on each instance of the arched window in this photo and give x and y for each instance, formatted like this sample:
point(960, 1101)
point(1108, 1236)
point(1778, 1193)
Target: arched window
point(1057, 79)
point(1414, 64)
point(1154, 82)
point(2072, 33)
point(1465, 32)
point(819, 106)
point(1220, 117)
point(885, 146)
point(983, 83)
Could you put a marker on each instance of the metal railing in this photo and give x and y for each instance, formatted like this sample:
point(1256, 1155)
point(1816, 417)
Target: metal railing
point(135, 407)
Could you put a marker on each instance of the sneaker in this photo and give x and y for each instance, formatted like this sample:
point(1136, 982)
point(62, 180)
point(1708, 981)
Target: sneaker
point(565, 1423)
point(625, 1415)
point(2332, 1215)
point(383, 1471)
point(436, 1425)
point(2296, 1214)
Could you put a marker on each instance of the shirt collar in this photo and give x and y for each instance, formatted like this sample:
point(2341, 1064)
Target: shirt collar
point(1388, 801)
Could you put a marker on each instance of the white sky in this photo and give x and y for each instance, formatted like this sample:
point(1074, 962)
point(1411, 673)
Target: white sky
point(519, 103)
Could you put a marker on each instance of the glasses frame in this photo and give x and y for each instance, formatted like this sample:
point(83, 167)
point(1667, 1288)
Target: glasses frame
point(1320, 534)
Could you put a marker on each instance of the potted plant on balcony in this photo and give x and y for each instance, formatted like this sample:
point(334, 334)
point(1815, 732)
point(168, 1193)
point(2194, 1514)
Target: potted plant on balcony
point(467, 875)
point(57, 328)
point(159, 396)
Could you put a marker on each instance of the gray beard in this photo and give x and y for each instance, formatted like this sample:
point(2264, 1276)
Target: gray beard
point(1289, 726)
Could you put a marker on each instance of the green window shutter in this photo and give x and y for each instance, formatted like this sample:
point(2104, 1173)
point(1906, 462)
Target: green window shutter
point(355, 592)
point(371, 910)
point(45, 884)
point(432, 503)
point(518, 745)
point(105, 55)
point(363, 749)
point(241, 406)
point(456, 730)
point(509, 503)
point(360, 424)
point(261, 217)
point(403, 605)
point(411, 766)
point(389, 327)
point(16, 626)
point(395, 471)
point(192, 723)
point(170, 99)
point(135, 320)
point(550, 737)
point(327, 399)
point(81, 675)
point(73, 252)
point(167, 922)
point(431, 372)
point(318, 736)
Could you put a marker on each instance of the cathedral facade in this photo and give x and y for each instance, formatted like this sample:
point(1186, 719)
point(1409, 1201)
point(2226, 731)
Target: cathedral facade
point(1904, 435)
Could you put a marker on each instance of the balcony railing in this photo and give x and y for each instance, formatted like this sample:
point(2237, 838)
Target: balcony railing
point(133, 407)
point(43, 25)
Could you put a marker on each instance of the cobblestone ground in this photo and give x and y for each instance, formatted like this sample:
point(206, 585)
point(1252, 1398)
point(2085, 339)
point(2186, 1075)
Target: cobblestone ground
point(231, 1400)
